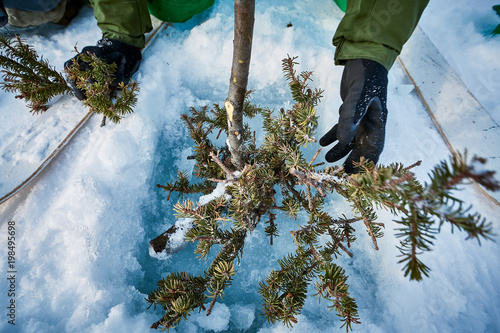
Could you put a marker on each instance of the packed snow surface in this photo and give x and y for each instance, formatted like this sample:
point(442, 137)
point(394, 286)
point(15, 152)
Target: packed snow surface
point(82, 229)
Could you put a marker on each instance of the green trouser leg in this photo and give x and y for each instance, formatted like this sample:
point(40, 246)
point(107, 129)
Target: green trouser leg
point(126, 21)
point(376, 29)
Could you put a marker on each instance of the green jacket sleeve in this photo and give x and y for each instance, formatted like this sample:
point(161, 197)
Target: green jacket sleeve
point(376, 29)
point(126, 21)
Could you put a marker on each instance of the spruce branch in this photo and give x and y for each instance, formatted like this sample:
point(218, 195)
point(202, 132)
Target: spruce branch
point(97, 84)
point(29, 75)
point(337, 241)
point(271, 230)
point(215, 157)
point(183, 186)
point(332, 287)
point(33, 79)
point(309, 179)
point(277, 179)
point(299, 84)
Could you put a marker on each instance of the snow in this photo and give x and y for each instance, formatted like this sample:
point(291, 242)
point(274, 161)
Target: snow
point(216, 193)
point(469, 41)
point(82, 229)
point(218, 323)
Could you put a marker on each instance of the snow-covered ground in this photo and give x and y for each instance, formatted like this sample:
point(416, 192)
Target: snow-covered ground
point(82, 229)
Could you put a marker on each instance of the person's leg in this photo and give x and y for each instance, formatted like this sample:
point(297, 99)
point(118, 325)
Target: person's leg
point(26, 18)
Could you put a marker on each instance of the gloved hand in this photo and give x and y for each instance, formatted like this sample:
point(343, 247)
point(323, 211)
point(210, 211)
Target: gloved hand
point(128, 59)
point(361, 127)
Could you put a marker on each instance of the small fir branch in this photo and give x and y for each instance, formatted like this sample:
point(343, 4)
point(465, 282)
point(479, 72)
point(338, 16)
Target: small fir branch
point(271, 230)
point(183, 186)
point(496, 31)
point(332, 286)
point(96, 83)
point(284, 291)
point(336, 242)
point(29, 75)
point(33, 79)
point(180, 293)
point(200, 124)
point(299, 88)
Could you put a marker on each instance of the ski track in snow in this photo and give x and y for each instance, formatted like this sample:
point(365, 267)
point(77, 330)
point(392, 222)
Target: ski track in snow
point(82, 229)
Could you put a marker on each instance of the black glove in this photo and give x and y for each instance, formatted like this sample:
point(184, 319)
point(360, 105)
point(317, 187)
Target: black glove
point(128, 59)
point(361, 127)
